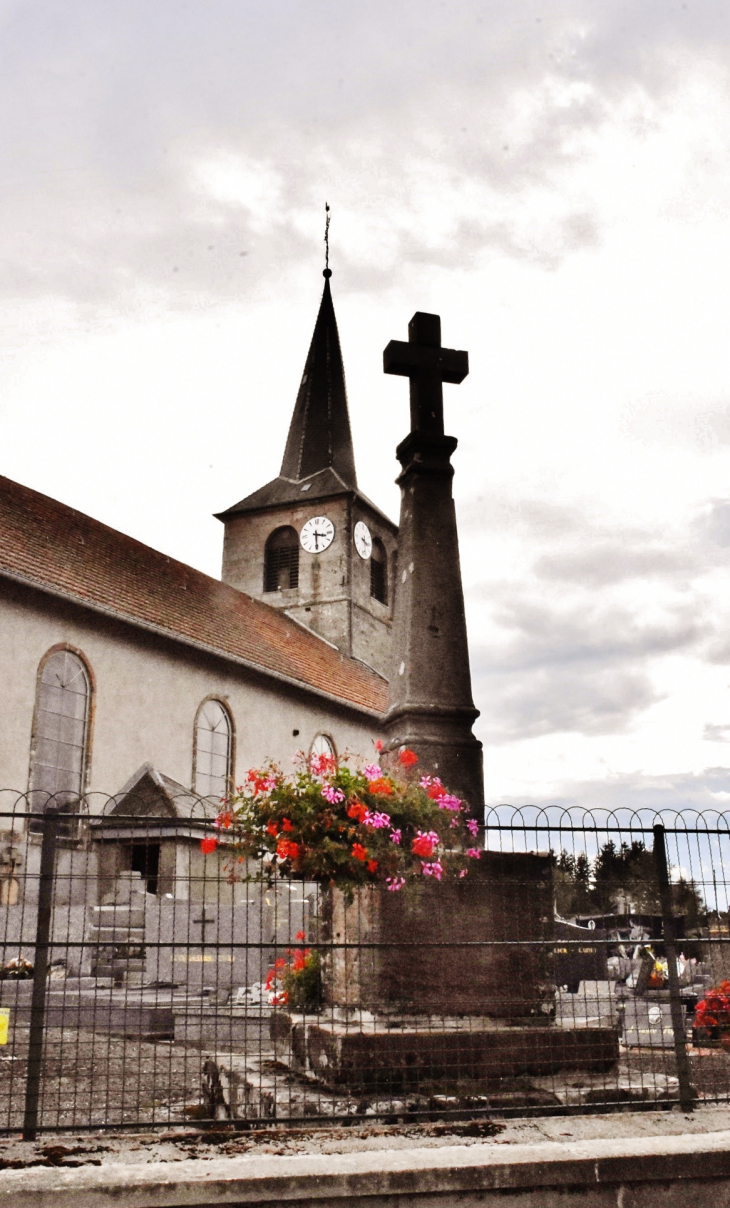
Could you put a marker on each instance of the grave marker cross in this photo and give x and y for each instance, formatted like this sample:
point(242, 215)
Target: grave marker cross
point(428, 366)
point(205, 920)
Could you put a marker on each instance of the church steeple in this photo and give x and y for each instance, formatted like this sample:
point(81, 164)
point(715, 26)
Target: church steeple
point(342, 590)
point(319, 434)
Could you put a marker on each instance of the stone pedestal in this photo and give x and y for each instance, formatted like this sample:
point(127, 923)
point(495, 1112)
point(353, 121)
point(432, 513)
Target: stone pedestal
point(444, 988)
point(477, 946)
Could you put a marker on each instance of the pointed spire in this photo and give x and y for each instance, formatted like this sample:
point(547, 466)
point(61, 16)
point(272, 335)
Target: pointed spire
point(319, 434)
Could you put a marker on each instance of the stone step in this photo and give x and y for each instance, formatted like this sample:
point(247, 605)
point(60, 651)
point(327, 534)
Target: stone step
point(133, 977)
point(115, 935)
point(118, 916)
point(130, 963)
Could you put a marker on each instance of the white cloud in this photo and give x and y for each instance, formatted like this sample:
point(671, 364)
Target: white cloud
point(553, 179)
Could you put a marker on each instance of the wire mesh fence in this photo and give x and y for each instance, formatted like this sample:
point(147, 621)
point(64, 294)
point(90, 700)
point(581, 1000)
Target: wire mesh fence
point(145, 980)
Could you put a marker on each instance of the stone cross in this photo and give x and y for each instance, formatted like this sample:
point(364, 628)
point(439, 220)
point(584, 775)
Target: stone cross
point(428, 366)
point(430, 703)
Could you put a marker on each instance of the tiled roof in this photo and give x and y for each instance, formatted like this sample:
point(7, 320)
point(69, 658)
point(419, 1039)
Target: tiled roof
point(325, 484)
point(52, 546)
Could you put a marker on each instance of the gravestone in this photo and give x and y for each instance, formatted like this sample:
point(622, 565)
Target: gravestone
point(222, 944)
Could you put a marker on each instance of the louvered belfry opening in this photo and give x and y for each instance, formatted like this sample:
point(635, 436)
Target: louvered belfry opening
point(281, 560)
point(379, 572)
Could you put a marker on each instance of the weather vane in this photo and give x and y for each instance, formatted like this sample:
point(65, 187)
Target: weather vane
point(327, 270)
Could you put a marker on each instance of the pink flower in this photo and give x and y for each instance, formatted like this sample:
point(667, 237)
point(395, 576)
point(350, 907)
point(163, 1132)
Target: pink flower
point(472, 825)
point(435, 869)
point(463, 872)
point(447, 802)
point(395, 883)
point(331, 794)
point(454, 823)
point(377, 821)
point(395, 836)
point(373, 771)
point(426, 781)
point(474, 853)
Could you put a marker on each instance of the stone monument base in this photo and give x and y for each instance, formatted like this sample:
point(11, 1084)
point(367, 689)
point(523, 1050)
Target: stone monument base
point(464, 1055)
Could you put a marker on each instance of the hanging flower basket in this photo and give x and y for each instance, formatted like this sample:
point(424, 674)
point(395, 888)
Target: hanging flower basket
point(340, 826)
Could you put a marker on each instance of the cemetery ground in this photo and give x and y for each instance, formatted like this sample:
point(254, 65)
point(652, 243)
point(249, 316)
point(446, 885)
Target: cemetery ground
point(104, 1080)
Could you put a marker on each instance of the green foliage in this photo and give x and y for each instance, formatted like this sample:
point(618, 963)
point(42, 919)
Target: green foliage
point(619, 880)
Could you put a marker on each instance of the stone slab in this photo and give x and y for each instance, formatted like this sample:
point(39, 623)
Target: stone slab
point(641, 1172)
point(413, 1061)
point(98, 1010)
point(234, 1030)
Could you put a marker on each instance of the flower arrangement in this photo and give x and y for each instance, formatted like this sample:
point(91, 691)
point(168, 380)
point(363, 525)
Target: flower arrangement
point(331, 823)
point(713, 1011)
point(297, 982)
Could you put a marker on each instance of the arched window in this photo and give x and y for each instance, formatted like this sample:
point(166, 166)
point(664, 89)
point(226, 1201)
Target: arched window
point(322, 744)
point(379, 572)
point(213, 750)
point(61, 730)
point(281, 560)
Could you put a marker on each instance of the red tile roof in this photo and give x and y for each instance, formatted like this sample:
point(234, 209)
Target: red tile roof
point(49, 545)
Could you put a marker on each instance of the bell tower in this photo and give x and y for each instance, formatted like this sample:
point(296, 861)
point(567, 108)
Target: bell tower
point(310, 542)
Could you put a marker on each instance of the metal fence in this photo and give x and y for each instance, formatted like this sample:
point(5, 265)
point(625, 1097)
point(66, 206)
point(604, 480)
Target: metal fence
point(144, 982)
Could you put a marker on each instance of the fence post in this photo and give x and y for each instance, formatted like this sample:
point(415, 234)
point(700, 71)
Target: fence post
point(686, 1091)
point(40, 974)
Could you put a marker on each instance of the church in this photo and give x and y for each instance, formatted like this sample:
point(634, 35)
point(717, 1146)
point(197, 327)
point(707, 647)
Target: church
point(134, 683)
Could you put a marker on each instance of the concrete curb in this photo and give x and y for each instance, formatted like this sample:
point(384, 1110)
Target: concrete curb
point(692, 1169)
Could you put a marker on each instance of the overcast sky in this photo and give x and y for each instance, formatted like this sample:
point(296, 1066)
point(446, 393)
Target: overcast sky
point(552, 178)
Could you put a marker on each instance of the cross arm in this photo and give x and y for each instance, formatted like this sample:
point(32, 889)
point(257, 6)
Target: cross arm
point(405, 360)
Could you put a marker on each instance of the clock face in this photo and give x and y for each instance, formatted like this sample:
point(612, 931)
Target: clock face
point(363, 540)
point(317, 534)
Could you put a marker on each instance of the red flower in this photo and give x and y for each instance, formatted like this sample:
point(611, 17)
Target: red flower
point(208, 845)
point(372, 865)
point(357, 810)
point(435, 791)
point(359, 852)
point(423, 845)
point(287, 850)
point(378, 744)
point(300, 935)
point(407, 758)
point(714, 1009)
point(299, 961)
point(273, 827)
point(225, 819)
point(287, 825)
point(381, 787)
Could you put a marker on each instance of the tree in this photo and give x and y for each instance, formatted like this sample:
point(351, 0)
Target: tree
point(620, 880)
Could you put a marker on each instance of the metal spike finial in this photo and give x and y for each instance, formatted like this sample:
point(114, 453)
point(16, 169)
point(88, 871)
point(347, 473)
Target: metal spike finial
point(327, 270)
